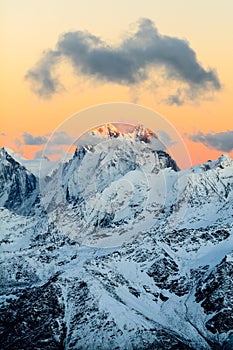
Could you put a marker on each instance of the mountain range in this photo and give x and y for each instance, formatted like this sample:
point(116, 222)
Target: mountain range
point(117, 248)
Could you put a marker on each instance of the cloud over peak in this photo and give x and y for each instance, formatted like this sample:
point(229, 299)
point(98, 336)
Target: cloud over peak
point(31, 140)
point(56, 138)
point(221, 141)
point(128, 64)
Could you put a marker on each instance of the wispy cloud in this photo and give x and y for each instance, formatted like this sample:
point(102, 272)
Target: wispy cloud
point(61, 138)
point(165, 139)
point(221, 141)
point(176, 99)
point(56, 138)
point(42, 76)
point(29, 139)
point(129, 63)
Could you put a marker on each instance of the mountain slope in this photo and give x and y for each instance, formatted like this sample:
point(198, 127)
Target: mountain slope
point(123, 252)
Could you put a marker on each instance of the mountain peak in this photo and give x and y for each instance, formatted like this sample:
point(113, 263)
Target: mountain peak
point(142, 133)
point(6, 151)
point(223, 161)
point(7, 154)
point(3, 151)
point(106, 130)
point(18, 190)
point(138, 132)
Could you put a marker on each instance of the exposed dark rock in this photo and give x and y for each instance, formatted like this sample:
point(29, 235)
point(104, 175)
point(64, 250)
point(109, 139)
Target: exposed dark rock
point(17, 185)
point(216, 297)
point(34, 320)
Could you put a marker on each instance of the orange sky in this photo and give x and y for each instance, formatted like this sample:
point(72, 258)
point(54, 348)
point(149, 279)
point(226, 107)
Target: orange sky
point(29, 27)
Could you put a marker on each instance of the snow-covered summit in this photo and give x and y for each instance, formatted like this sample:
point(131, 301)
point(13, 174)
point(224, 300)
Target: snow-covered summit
point(13, 154)
point(224, 161)
point(142, 133)
point(5, 152)
point(137, 133)
point(9, 158)
point(107, 130)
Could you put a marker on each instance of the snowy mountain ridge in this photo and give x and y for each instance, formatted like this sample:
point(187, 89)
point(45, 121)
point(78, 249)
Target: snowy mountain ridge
point(32, 165)
point(119, 250)
point(18, 187)
point(138, 132)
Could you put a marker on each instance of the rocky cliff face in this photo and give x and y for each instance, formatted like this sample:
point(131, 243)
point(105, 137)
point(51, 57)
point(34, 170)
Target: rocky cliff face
point(123, 252)
point(18, 187)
